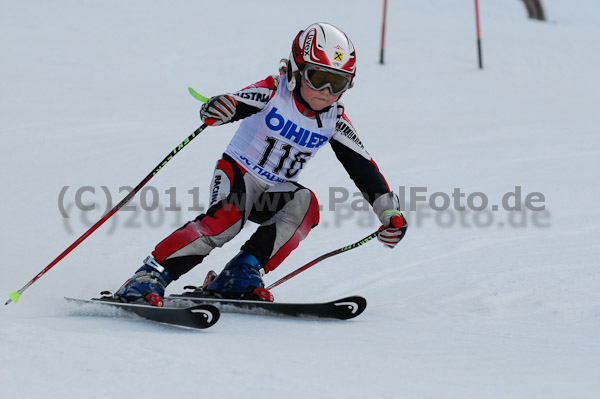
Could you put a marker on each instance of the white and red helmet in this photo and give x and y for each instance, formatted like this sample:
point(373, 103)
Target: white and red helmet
point(323, 45)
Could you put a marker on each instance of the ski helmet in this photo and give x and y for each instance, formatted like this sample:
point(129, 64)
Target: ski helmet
point(324, 46)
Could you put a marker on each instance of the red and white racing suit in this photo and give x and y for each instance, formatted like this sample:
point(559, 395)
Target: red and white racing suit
point(257, 178)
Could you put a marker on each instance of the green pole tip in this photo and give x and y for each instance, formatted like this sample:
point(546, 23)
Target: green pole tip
point(14, 296)
point(197, 95)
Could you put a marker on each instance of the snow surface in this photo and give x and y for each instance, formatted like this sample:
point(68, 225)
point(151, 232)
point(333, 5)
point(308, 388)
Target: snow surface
point(95, 94)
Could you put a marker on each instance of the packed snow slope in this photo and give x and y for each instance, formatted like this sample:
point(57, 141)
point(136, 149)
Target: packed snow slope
point(472, 304)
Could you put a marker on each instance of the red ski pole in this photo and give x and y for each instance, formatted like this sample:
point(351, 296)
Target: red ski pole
point(323, 257)
point(14, 296)
point(396, 222)
point(478, 33)
point(383, 32)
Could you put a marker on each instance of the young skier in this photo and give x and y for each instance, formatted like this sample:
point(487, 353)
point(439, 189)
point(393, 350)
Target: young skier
point(286, 119)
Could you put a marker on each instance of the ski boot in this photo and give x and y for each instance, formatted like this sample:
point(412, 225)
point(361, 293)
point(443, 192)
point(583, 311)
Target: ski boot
point(148, 283)
point(241, 279)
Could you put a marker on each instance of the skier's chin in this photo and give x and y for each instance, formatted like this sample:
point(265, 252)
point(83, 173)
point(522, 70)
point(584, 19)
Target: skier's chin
point(320, 103)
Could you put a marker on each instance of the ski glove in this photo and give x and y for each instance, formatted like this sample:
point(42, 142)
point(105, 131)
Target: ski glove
point(218, 110)
point(387, 208)
point(393, 228)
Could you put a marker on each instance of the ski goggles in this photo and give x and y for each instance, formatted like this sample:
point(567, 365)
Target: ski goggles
point(318, 78)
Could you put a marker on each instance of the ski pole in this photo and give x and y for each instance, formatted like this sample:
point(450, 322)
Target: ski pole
point(323, 257)
point(478, 29)
point(383, 32)
point(14, 296)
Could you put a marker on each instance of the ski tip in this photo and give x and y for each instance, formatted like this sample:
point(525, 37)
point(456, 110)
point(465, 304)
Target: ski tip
point(14, 297)
point(197, 95)
point(209, 313)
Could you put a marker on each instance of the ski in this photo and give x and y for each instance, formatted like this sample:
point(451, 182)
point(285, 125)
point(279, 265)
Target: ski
point(197, 316)
point(341, 309)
